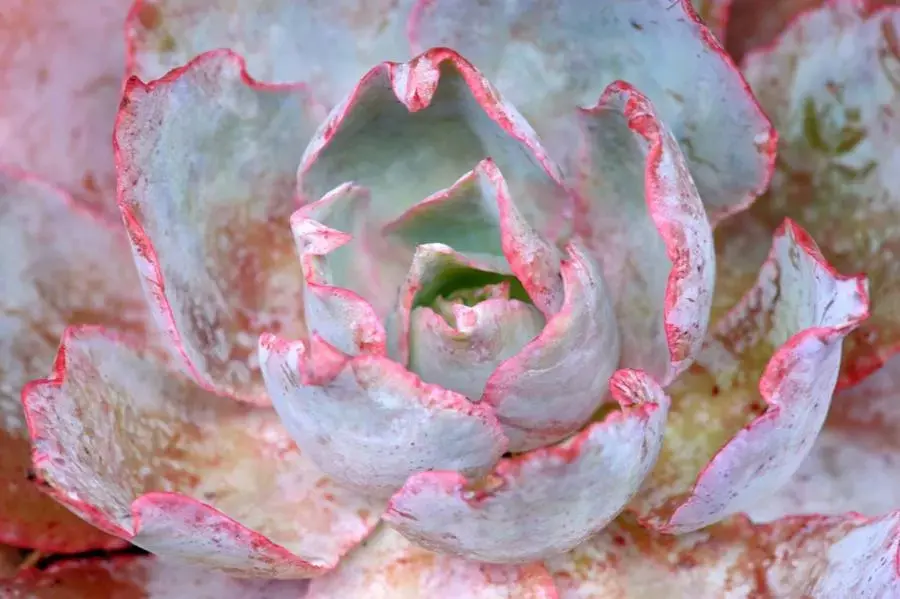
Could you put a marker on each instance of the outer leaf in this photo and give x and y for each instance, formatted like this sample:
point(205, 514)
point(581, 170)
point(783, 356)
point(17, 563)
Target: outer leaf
point(61, 65)
point(815, 557)
point(144, 577)
point(144, 454)
point(550, 57)
point(283, 40)
point(59, 264)
point(370, 423)
point(854, 465)
point(715, 14)
point(409, 130)
point(839, 169)
point(757, 397)
point(207, 159)
point(390, 567)
point(546, 501)
point(647, 227)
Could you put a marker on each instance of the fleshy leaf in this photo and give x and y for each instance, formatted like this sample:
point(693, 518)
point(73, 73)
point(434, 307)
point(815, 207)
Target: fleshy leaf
point(61, 68)
point(327, 45)
point(409, 130)
point(546, 501)
point(144, 577)
point(143, 453)
point(854, 465)
point(342, 267)
point(547, 58)
point(747, 413)
point(838, 169)
point(390, 567)
point(370, 423)
point(813, 557)
point(60, 263)
point(207, 161)
point(644, 222)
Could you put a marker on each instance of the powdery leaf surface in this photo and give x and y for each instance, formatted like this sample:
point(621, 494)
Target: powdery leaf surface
point(409, 130)
point(145, 454)
point(370, 423)
point(855, 463)
point(60, 264)
point(61, 66)
point(547, 58)
point(141, 578)
point(207, 162)
point(814, 557)
point(328, 44)
point(390, 567)
point(548, 500)
point(747, 413)
point(831, 84)
point(644, 222)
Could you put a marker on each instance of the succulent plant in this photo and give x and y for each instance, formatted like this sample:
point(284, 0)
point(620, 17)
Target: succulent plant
point(449, 298)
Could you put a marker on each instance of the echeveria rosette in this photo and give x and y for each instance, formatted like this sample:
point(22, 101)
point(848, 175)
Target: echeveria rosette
point(517, 305)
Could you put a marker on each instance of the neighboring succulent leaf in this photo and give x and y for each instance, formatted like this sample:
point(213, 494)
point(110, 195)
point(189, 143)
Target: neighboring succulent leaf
point(61, 65)
point(748, 411)
point(543, 367)
point(545, 501)
point(814, 557)
point(390, 567)
point(838, 172)
point(644, 222)
point(144, 577)
point(10, 559)
point(145, 454)
point(370, 423)
point(547, 58)
point(59, 264)
point(854, 465)
point(327, 44)
point(410, 130)
point(207, 163)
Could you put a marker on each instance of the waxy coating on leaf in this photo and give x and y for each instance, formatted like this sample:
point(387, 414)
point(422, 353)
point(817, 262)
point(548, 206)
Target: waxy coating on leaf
point(207, 160)
point(143, 453)
point(854, 465)
point(814, 557)
point(545, 501)
point(61, 65)
point(648, 229)
point(60, 263)
point(755, 400)
point(548, 58)
point(370, 423)
point(141, 578)
point(327, 44)
point(409, 130)
point(390, 567)
point(548, 371)
point(838, 169)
